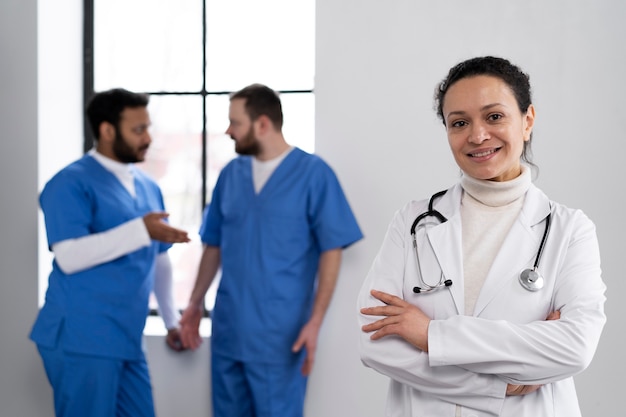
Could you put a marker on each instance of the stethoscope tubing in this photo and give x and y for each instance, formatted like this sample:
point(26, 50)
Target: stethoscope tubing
point(530, 279)
point(442, 219)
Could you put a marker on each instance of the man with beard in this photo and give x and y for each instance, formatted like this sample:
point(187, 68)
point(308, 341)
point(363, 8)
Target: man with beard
point(277, 224)
point(106, 225)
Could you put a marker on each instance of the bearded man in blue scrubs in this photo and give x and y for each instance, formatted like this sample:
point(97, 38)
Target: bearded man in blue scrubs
point(105, 223)
point(277, 224)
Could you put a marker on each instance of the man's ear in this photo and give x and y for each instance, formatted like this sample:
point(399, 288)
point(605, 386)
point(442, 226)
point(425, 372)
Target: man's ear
point(264, 124)
point(107, 132)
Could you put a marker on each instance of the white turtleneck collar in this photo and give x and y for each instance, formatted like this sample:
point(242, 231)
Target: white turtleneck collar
point(497, 194)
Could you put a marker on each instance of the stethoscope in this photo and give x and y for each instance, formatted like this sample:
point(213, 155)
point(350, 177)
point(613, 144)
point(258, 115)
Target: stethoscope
point(529, 278)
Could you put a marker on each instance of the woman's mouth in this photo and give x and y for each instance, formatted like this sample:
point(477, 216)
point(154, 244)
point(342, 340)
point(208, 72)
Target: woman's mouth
point(482, 154)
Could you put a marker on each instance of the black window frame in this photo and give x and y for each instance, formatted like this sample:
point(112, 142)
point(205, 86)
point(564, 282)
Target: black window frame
point(89, 91)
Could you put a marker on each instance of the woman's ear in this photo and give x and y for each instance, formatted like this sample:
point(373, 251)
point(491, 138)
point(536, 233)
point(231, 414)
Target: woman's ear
point(529, 122)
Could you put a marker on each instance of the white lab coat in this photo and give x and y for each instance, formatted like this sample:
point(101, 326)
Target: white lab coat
point(507, 340)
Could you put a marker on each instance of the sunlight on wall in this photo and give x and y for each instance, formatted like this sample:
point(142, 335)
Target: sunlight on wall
point(60, 100)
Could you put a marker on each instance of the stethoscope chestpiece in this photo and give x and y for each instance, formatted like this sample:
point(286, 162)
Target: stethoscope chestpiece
point(531, 280)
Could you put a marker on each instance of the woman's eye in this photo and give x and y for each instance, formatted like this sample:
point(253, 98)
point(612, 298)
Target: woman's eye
point(458, 123)
point(495, 117)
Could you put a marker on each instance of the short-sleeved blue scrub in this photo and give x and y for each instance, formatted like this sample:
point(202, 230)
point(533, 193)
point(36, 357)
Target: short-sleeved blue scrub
point(102, 309)
point(270, 245)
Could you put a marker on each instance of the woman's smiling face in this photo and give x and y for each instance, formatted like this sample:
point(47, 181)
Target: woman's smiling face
point(486, 130)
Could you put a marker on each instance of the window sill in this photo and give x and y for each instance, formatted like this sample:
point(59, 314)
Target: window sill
point(155, 327)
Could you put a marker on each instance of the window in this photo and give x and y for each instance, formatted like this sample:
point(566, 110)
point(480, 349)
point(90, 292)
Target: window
point(189, 55)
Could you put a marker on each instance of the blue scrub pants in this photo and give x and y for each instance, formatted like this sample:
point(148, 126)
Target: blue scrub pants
point(95, 386)
point(245, 389)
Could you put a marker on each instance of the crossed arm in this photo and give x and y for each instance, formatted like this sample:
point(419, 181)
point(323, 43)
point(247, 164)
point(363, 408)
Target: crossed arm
point(407, 321)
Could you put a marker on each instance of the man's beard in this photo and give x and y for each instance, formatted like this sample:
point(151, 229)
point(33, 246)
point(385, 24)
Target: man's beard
point(248, 145)
point(124, 152)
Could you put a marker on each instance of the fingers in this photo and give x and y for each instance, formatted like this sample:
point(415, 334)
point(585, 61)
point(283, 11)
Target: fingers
point(384, 331)
point(155, 216)
point(388, 298)
point(381, 328)
point(377, 325)
point(161, 231)
point(297, 346)
point(173, 340)
point(393, 305)
point(173, 235)
point(382, 311)
point(307, 366)
point(190, 339)
point(512, 389)
point(555, 315)
point(398, 318)
point(189, 328)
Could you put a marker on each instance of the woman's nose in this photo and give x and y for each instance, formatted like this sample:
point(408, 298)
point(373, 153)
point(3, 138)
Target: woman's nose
point(479, 133)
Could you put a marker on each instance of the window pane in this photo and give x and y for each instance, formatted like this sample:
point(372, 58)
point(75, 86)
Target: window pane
point(270, 42)
point(156, 46)
point(299, 120)
point(148, 45)
point(220, 147)
point(174, 161)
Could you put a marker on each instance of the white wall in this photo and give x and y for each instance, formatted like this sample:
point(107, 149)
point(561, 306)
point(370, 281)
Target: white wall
point(377, 65)
point(23, 389)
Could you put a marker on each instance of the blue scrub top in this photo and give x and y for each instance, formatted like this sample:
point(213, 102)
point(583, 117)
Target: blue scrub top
point(102, 309)
point(270, 246)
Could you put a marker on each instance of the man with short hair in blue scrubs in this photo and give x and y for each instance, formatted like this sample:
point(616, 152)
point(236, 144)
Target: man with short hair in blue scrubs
point(277, 224)
point(106, 225)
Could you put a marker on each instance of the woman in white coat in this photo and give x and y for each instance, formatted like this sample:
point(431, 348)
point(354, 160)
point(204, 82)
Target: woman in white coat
point(451, 321)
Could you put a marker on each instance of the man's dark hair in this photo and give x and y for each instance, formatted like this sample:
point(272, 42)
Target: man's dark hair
point(261, 101)
point(107, 106)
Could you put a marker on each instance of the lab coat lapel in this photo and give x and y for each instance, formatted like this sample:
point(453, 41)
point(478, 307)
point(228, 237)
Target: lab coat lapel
point(519, 248)
point(445, 240)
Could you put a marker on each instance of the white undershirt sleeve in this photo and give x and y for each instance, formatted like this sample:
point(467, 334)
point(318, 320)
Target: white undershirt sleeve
point(163, 291)
point(74, 255)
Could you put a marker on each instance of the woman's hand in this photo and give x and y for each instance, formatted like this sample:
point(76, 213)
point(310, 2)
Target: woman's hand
point(521, 389)
point(400, 318)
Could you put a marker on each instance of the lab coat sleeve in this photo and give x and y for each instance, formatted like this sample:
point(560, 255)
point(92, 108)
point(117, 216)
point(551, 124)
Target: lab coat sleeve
point(538, 352)
point(394, 357)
